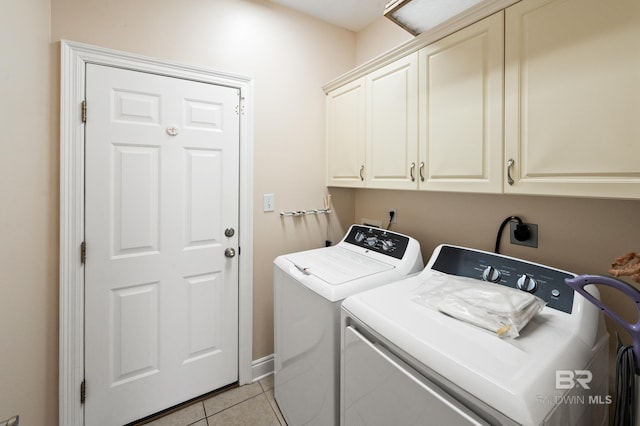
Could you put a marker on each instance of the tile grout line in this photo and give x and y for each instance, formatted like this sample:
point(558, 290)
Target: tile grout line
point(204, 410)
point(231, 406)
point(262, 392)
point(276, 413)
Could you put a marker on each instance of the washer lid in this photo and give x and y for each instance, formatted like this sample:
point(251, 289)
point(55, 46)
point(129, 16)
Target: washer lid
point(336, 265)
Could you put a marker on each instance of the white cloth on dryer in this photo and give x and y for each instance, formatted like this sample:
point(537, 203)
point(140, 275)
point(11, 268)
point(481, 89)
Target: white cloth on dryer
point(500, 309)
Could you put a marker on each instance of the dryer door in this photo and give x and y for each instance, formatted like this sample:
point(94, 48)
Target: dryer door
point(380, 389)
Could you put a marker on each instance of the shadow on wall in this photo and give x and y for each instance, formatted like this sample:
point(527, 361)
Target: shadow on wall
point(343, 212)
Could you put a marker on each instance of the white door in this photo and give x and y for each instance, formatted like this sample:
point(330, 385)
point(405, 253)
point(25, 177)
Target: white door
point(161, 306)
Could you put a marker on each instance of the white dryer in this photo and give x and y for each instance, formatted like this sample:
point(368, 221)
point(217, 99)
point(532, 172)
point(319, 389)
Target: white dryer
point(309, 287)
point(405, 363)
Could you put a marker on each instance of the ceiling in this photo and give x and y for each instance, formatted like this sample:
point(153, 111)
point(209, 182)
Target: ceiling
point(353, 15)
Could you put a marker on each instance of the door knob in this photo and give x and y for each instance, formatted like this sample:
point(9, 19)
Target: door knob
point(229, 252)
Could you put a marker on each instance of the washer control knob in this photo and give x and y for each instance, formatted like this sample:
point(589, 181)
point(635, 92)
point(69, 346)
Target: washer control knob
point(371, 241)
point(387, 245)
point(526, 283)
point(491, 274)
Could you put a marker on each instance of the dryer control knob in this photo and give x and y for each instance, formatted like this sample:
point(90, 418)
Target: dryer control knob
point(526, 283)
point(491, 274)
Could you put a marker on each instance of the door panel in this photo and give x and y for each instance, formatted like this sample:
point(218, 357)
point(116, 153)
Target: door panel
point(134, 316)
point(204, 329)
point(161, 318)
point(135, 183)
point(203, 189)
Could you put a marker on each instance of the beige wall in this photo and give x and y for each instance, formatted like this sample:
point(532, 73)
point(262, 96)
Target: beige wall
point(377, 38)
point(28, 218)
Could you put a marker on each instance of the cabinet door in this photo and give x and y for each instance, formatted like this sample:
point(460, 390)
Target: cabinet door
point(572, 97)
point(392, 125)
point(346, 135)
point(461, 98)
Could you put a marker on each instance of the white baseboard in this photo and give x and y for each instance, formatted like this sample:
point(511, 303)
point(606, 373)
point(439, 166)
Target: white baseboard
point(262, 367)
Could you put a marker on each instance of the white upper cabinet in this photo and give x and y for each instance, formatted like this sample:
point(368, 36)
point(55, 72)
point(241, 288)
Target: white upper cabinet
point(392, 125)
point(461, 98)
point(572, 105)
point(542, 98)
point(346, 110)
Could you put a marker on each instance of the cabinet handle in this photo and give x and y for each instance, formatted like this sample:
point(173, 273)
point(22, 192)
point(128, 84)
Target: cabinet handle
point(361, 170)
point(422, 171)
point(509, 165)
point(413, 168)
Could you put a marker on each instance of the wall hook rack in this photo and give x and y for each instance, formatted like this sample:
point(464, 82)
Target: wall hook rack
point(305, 212)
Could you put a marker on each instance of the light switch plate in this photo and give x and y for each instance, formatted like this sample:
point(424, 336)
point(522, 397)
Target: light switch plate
point(268, 203)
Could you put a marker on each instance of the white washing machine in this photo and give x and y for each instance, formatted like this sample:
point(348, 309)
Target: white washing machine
point(309, 287)
point(405, 363)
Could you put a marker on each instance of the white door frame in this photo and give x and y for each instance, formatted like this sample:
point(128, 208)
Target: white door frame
point(74, 57)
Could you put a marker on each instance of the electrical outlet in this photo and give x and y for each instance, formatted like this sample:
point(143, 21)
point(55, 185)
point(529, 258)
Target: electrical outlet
point(533, 235)
point(393, 212)
point(268, 203)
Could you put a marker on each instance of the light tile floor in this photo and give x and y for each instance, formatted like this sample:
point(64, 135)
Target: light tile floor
point(246, 405)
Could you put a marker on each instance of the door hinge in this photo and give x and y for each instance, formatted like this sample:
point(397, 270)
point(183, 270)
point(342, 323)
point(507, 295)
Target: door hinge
point(84, 111)
point(83, 252)
point(83, 392)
